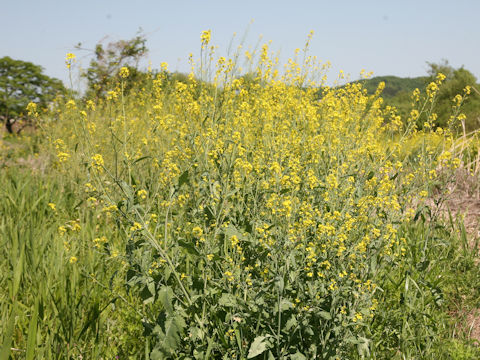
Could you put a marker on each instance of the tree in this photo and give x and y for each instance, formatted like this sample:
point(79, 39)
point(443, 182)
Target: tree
point(22, 82)
point(456, 80)
point(108, 59)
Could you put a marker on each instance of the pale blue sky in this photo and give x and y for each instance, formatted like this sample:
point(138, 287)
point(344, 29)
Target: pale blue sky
point(389, 37)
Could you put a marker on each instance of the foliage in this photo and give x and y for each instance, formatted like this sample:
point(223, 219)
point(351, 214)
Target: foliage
point(57, 280)
point(456, 81)
point(258, 221)
point(109, 58)
point(235, 219)
point(397, 93)
point(21, 83)
point(394, 85)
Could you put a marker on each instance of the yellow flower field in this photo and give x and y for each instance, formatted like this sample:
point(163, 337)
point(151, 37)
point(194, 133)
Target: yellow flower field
point(235, 216)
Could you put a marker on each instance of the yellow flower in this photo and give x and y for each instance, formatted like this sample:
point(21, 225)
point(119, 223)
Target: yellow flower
point(357, 317)
point(142, 194)
point(90, 105)
point(74, 225)
point(62, 230)
point(63, 156)
point(69, 59)
point(124, 72)
point(52, 206)
point(164, 66)
point(97, 162)
point(440, 77)
point(71, 104)
point(423, 193)
point(73, 259)
point(205, 37)
point(100, 241)
point(197, 231)
point(32, 109)
point(136, 226)
point(229, 275)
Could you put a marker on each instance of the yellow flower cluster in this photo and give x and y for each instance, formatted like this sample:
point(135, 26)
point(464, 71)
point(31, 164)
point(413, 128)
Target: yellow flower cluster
point(266, 172)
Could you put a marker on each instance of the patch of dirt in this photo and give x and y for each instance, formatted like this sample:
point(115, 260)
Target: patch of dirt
point(473, 325)
point(13, 153)
point(464, 202)
point(36, 163)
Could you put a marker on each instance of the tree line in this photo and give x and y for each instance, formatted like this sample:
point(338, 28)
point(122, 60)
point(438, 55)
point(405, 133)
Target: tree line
point(23, 82)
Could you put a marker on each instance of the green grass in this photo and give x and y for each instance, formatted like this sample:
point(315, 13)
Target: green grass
point(49, 307)
point(420, 296)
point(65, 296)
point(53, 309)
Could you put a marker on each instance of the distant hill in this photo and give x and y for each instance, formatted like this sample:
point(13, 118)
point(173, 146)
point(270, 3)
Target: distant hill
point(394, 85)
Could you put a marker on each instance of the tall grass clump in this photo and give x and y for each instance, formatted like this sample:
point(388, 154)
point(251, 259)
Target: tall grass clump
point(265, 216)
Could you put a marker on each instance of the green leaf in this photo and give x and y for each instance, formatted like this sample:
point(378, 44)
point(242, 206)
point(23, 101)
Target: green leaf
point(168, 331)
point(298, 356)
point(92, 318)
point(17, 275)
point(8, 334)
point(227, 300)
point(291, 323)
point(189, 247)
point(32, 333)
point(173, 329)
point(146, 295)
point(285, 305)
point(183, 179)
point(140, 159)
point(209, 348)
point(259, 346)
point(151, 285)
point(231, 231)
point(363, 348)
point(280, 283)
point(325, 315)
point(165, 297)
point(156, 354)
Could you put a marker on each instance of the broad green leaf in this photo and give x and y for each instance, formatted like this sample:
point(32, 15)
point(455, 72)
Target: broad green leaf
point(173, 330)
point(259, 346)
point(227, 300)
point(189, 247)
point(286, 305)
point(298, 356)
point(291, 323)
point(156, 354)
point(326, 315)
point(363, 348)
point(165, 297)
point(183, 179)
point(280, 283)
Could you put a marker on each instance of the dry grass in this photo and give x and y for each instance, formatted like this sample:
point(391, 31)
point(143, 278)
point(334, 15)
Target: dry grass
point(464, 202)
point(22, 157)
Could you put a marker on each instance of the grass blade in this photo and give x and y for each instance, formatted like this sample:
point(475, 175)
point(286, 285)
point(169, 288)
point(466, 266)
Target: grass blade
point(32, 333)
point(8, 337)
